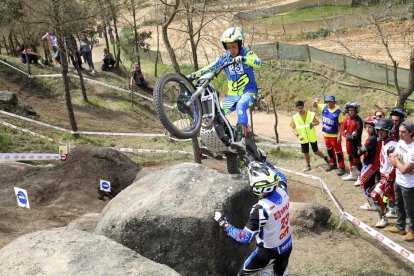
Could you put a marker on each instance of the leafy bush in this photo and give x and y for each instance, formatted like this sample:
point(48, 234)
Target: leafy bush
point(322, 32)
point(128, 42)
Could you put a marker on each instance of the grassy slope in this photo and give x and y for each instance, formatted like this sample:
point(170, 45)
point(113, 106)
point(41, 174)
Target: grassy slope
point(311, 14)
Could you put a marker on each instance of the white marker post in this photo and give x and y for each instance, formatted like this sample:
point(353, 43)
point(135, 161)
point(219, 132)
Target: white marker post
point(105, 186)
point(22, 198)
point(63, 152)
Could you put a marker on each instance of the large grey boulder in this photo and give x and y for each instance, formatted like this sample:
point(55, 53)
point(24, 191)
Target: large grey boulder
point(87, 222)
point(308, 215)
point(64, 251)
point(167, 216)
point(7, 97)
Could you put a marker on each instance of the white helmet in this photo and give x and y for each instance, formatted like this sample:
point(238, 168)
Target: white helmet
point(263, 180)
point(233, 34)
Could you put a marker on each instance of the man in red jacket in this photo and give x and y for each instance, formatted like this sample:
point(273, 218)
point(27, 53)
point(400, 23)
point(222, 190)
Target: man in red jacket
point(352, 131)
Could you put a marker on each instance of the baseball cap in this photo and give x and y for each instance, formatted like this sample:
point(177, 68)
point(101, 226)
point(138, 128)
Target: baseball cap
point(330, 99)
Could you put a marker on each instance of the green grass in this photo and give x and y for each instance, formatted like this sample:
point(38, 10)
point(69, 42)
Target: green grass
point(311, 14)
point(346, 226)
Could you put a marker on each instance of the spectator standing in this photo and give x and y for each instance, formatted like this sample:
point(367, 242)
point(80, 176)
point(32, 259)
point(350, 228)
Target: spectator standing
point(403, 160)
point(397, 116)
point(371, 151)
point(385, 186)
point(352, 131)
point(108, 60)
point(332, 118)
point(379, 115)
point(53, 42)
point(86, 50)
point(303, 126)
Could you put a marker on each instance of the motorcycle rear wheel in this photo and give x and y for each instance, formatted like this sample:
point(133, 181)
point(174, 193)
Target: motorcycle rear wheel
point(171, 91)
point(232, 163)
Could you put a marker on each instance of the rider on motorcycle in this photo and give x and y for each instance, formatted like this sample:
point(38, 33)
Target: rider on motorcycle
point(242, 85)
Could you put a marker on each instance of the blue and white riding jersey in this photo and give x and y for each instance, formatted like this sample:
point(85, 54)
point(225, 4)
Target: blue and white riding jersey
point(240, 76)
point(268, 222)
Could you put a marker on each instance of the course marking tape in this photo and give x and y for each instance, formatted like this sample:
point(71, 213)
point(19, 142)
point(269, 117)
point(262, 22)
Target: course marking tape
point(278, 145)
point(27, 131)
point(82, 132)
point(118, 134)
point(29, 156)
point(325, 188)
point(32, 121)
point(15, 68)
point(152, 151)
point(380, 237)
point(46, 76)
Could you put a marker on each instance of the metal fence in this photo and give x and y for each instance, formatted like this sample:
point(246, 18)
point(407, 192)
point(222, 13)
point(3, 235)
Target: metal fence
point(375, 72)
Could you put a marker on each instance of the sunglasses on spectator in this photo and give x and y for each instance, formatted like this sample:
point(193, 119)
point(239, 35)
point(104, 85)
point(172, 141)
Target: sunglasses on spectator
point(378, 116)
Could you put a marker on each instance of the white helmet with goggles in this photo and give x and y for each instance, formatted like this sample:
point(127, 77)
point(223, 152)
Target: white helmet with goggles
point(263, 180)
point(233, 34)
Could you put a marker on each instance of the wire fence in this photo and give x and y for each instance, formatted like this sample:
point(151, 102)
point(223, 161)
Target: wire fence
point(375, 72)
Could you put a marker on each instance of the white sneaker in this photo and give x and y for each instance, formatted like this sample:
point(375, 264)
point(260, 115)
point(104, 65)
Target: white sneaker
point(350, 177)
point(357, 182)
point(382, 222)
point(391, 213)
point(367, 207)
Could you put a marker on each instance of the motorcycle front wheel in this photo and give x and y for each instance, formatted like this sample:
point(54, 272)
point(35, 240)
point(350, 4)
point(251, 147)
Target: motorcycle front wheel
point(171, 92)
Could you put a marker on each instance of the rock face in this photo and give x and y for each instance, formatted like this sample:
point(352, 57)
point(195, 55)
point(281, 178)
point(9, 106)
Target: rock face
point(64, 251)
point(167, 216)
point(87, 222)
point(7, 97)
point(308, 215)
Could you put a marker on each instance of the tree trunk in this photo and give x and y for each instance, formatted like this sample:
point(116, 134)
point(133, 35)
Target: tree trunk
point(158, 52)
point(403, 96)
point(190, 30)
point(69, 106)
point(6, 46)
point(117, 41)
point(165, 38)
point(76, 57)
point(276, 119)
point(136, 42)
point(105, 35)
point(12, 46)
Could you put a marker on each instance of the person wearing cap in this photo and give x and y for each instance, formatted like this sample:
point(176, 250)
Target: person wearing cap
point(303, 127)
point(403, 160)
point(397, 116)
point(332, 118)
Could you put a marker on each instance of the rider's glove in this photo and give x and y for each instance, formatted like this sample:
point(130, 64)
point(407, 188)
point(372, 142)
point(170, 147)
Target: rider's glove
point(239, 59)
point(220, 218)
point(192, 76)
point(361, 150)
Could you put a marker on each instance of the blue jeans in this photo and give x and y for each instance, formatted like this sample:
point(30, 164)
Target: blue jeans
point(404, 203)
point(88, 57)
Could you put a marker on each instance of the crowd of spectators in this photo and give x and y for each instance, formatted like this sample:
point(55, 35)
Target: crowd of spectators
point(79, 52)
point(386, 172)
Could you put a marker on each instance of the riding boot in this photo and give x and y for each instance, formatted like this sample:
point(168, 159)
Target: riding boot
point(240, 142)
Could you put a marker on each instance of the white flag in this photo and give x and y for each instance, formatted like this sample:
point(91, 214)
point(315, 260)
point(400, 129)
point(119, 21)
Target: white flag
point(105, 186)
point(22, 198)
